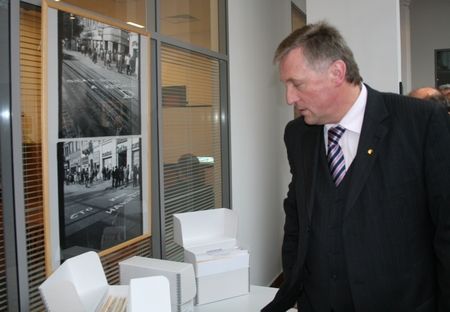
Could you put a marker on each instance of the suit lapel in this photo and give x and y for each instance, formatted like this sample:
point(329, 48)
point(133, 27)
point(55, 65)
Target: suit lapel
point(373, 132)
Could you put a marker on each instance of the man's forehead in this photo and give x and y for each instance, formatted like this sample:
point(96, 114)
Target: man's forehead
point(296, 52)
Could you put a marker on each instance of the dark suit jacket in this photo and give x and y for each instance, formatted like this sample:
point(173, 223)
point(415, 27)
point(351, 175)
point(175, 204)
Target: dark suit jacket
point(396, 227)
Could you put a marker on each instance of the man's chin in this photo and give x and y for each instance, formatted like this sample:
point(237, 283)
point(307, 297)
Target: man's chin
point(308, 120)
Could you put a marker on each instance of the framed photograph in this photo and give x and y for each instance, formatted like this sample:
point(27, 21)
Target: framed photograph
point(100, 191)
point(99, 73)
point(96, 134)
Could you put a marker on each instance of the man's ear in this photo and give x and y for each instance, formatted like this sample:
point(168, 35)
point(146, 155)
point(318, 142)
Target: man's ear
point(337, 71)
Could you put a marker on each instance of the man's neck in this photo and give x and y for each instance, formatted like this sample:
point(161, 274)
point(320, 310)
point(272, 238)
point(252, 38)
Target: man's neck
point(347, 97)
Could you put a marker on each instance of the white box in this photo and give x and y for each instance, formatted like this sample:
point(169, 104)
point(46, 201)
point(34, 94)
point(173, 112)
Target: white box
point(80, 285)
point(210, 244)
point(180, 275)
point(151, 293)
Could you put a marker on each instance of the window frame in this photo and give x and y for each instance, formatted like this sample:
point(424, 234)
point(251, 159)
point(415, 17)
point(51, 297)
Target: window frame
point(222, 56)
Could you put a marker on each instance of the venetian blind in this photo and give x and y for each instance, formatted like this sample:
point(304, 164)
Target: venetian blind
point(191, 137)
point(140, 246)
point(30, 89)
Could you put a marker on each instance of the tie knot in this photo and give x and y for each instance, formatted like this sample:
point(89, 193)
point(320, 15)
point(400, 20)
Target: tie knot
point(335, 134)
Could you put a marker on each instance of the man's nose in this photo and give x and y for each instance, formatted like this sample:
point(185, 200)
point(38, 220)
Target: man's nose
point(291, 96)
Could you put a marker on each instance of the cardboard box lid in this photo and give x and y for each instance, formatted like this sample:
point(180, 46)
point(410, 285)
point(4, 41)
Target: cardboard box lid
point(207, 227)
point(157, 265)
point(80, 281)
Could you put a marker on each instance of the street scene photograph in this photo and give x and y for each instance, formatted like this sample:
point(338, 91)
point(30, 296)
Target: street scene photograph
point(100, 193)
point(98, 79)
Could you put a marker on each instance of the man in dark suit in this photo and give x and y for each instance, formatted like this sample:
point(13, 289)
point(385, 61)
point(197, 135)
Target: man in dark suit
point(367, 224)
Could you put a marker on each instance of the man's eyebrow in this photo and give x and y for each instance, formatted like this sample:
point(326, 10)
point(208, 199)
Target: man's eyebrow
point(293, 80)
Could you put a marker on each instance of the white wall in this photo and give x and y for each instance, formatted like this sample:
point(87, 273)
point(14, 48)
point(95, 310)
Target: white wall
point(258, 114)
point(372, 30)
point(301, 4)
point(405, 31)
point(430, 25)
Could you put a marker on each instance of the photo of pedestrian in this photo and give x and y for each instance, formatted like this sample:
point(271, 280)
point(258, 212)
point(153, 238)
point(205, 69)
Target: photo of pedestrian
point(98, 207)
point(98, 79)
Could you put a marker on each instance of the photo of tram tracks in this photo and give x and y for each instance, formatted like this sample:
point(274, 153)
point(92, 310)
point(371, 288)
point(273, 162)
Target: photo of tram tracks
point(99, 79)
point(99, 135)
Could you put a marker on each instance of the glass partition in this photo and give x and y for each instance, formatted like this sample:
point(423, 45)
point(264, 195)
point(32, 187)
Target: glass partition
point(192, 21)
point(130, 12)
point(191, 136)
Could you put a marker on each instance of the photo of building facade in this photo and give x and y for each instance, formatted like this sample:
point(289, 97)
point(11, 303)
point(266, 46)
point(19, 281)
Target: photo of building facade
point(99, 79)
point(100, 193)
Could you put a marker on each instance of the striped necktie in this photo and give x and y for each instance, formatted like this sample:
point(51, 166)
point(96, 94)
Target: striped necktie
point(336, 161)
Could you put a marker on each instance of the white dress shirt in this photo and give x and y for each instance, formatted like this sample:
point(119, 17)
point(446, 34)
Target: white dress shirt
point(352, 122)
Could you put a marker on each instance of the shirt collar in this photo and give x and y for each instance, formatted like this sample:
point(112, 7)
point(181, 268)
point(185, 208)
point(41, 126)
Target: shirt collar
point(353, 119)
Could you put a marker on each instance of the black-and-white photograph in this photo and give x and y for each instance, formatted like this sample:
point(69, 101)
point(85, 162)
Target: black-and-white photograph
point(100, 193)
point(98, 79)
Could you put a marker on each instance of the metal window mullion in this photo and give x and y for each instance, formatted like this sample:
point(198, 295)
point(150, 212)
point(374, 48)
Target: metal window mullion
point(152, 16)
point(225, 135)
point(157, 153)
point(6, 160)
point(19, 197)
point(223, 27)
point(12, 174)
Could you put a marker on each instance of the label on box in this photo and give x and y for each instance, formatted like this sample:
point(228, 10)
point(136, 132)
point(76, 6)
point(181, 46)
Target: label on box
point(217, 260)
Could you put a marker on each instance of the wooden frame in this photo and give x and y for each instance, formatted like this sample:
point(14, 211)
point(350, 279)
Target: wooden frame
point(53, 177)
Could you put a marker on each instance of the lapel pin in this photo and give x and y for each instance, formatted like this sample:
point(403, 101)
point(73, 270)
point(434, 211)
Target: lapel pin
point(370, 152)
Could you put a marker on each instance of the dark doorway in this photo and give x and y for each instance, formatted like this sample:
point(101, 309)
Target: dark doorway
point(442, 67)
point(122, 159)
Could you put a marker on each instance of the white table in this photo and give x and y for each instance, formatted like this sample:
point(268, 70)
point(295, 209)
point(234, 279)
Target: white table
point(257, 298)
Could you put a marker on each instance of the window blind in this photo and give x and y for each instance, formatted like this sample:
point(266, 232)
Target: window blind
point(191, 142)
point(30, 93)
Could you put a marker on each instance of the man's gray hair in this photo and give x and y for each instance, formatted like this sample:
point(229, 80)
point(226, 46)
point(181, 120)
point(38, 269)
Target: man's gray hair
point(321, 43)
